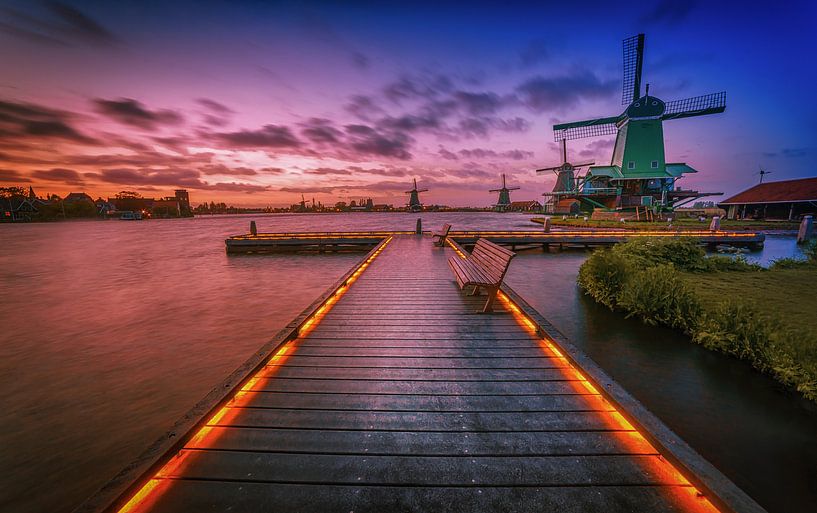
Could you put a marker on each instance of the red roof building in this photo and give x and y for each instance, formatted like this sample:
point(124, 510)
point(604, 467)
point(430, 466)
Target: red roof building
point(787, 199)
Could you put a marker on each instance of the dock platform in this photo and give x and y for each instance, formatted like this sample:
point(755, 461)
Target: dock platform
point(391, 393)
point(364, 241)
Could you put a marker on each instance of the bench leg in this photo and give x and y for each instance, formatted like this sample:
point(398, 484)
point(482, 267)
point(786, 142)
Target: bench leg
point(490, 302)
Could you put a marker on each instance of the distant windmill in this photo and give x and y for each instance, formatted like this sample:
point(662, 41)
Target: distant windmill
point(504, 196)
point(566, 180)
point(763, 173)
point(414, 200)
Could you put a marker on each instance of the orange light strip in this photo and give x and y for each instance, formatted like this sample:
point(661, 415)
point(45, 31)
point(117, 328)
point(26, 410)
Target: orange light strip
point(690, 495)
point(150, 491)
point(693, 497)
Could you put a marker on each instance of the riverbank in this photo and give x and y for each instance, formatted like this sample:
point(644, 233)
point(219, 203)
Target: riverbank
point(762, 316)
point(677, 224)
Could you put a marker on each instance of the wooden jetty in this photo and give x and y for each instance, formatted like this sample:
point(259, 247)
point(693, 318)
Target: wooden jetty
point(362, 241)
point(391, 393)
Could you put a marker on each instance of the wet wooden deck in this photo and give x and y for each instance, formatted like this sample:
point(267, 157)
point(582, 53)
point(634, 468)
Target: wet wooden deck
point(400, 397)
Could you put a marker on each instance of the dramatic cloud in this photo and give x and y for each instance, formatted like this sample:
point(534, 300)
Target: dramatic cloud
point(64, 25)
point(133, 113)
point(9, 175)
point(600, 148)
point(215, 113)
point(320, 130)
point(363, 107)
point(480, 153)
point(368, 140)
point(481, 103)
point(541, 94)
point(481, 126)
point(412, 87)
point(68, 176)
point(269, 136)
point(21, 121)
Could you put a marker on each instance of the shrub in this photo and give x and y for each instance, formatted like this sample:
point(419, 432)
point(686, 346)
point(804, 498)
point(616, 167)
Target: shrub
point(602, 275)
point(658, 295)
point(810, 251)
point(789, 263)
point(684, 253)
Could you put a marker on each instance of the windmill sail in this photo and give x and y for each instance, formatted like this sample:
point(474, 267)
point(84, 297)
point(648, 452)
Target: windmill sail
point(633, 61)
point(588, 128)
point(696, 106)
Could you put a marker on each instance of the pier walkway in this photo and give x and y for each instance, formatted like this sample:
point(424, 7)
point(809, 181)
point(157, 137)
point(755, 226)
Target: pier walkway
point(397, 396)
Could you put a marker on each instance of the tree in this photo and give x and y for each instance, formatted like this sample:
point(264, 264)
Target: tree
point(11, 192)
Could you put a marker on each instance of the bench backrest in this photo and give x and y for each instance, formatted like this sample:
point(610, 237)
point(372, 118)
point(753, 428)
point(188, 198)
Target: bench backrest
point(445, 230)
point(491, 258)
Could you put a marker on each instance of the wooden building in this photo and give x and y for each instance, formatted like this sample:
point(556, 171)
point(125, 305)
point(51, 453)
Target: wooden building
point(786, 199)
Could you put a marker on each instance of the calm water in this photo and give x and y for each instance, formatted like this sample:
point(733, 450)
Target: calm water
point(112, 330)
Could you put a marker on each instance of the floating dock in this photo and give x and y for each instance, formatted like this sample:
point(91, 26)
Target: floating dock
point(363, 241)
point(390, 393)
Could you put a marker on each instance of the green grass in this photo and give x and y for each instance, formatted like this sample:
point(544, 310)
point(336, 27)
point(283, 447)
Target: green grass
point(767, 317)
point(678, 224)
point(787, 297)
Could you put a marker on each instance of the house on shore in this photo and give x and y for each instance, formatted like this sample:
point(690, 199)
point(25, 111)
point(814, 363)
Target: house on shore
point(786, 199)
point(524, 206)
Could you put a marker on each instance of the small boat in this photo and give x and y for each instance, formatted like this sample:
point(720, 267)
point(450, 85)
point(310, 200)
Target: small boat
point(130, 216)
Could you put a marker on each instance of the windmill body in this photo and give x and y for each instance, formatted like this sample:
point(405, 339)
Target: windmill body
point(414, 204)
point(504, 201)
point(638, 173)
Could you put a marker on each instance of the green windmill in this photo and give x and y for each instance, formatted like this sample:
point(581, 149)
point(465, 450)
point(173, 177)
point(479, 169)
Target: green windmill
point(638, 174)
point(414, 204)
point(504, 196)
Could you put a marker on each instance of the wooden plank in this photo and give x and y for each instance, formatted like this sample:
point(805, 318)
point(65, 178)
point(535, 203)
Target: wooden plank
point(377, 386)
point(426, 403)
point(418, 421)
point(410, 375)
point(197, 496)
point(262, 467)
point(424, 443)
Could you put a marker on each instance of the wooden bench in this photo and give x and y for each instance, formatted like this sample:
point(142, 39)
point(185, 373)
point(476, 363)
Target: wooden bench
point(441, 235)
point(484, 268)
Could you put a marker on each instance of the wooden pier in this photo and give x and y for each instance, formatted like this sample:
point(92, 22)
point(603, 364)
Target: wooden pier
point(363, 241)
point(391, 393)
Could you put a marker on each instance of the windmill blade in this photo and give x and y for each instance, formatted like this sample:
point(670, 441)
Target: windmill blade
point(696, 106)
point(513, 188)
point(554, 169)
point(588, 128)
point(633, 61)
point(583, 164)
point(495, 190)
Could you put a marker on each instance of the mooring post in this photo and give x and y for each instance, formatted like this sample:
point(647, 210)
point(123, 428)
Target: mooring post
point(253, 229)
point(419, 229)
point(546, 224)
point(715, 225)
point(805, 232)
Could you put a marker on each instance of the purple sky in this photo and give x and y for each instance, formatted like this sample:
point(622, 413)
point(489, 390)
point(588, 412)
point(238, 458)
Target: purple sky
point(254, 103)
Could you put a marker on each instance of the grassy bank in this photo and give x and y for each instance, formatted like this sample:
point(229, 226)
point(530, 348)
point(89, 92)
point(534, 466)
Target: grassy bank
point(767, 317)
point(678, 224)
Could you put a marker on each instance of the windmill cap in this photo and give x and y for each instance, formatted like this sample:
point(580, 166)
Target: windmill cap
point(646, 107)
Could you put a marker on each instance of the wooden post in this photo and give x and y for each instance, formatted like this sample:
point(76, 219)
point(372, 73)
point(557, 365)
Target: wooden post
point(253, 229)
point(805, 232)
point(715, 225)
point(419, 229)
point(546, 224)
